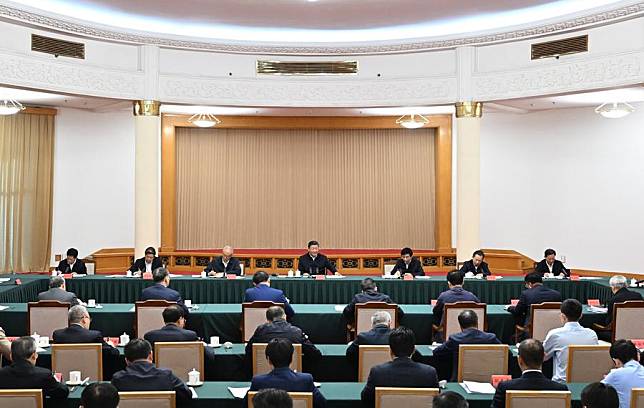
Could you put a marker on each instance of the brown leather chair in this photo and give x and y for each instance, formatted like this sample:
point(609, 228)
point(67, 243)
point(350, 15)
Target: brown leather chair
point(149, 315)
point(588, 364)
point(86, 358)
point(253, 315)
point(260, 364)
point(449, 322)
point(21, 399)
point(397, 397)
point(180, 357)
point(147, 399)
point(369, 356)
point(479, 362)
point(46, 316)
point(537, 399)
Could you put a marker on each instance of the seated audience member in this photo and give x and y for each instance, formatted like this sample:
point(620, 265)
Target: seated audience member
point(378, 335)
point(279, 353)
point(99, 395)
point(369, 294)
point(174, 329)
point(572, 333)
point(5, 346)
point(599, 395)
point(23, 373)
point(315, 263)
point(58, 292)
point(408, 264)
point(161, 291)
point(470, 334)
point(402, 371)
point(618, 285)
point(449, 399)
point(551, 265)
point(454, 294)
point(141, 374)
point(72, 263)
point(262, 291)
point(532, 379)
point(148, 263)
point(534, 294)
point(628, 374)
point(278, 327)
point(224, 264)
point(476, 265)
point(272, 398)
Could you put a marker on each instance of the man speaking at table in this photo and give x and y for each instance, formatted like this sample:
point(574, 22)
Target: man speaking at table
point(315, 263)
point(161, 291)
point(224, 264)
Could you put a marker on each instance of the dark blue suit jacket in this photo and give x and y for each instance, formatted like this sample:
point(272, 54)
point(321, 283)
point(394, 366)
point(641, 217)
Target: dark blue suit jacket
point(377, 336)
point(468, 336)
point(288, 380)
point(530, 381)
point(263, 292)
point(76, 334)
point(529, 297)
point(217, 265)
point(160, 292)
point(557, 268)
point(457, 294)
point(170, 332)
point(364, 297)
point(144, 376)
point(468, 266)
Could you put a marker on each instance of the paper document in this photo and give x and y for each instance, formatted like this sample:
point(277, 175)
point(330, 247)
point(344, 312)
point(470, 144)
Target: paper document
point(132, 309)
point(4, 307)
point(478, 387)
point(194, 393)
point(595, 309)
point(3, 280)
point(239, 392)
point(339, 308)
point(589, 277)
point(317, 384)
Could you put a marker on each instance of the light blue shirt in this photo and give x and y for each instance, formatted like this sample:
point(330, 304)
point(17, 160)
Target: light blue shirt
point(624, 379)
point(557, 342)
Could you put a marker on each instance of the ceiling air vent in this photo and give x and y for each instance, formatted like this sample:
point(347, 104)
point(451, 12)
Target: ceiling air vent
point(554, 49)
point(307, 68)
point(56, 47)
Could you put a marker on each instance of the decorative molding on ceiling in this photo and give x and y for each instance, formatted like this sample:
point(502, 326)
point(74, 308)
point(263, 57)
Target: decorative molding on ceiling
point(68, 26)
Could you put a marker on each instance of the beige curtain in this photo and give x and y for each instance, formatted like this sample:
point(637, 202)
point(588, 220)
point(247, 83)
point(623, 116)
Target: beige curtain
point(26, 161)
point(272, 188)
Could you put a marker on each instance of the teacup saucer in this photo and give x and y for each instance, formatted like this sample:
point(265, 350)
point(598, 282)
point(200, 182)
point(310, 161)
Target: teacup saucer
point(197, 384)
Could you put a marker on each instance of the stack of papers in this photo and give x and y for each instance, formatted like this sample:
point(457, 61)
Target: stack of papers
point(478, 387)
point(4, 307)
point(596, 309)
point(589, 277)
point(239, 392)
point(3, 280)
point(339, 308)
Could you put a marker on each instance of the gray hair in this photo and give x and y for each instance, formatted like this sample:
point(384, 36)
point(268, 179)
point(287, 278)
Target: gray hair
point(76, 314)
point(618, 281)
point(56, 281)
point(380, 317)
point(23, 348)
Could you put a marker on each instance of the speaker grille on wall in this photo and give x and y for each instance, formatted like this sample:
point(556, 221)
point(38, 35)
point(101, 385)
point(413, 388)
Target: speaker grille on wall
point(56, 47)
point(307, 68)
point(554, 49)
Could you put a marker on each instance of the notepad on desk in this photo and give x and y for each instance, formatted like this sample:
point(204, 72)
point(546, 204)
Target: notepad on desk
point(4, 307)
point(339, 308)
point(477, 387)
point(239, 392)
point(3, 280)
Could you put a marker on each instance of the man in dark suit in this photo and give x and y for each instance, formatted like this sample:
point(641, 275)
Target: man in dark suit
point(72, 263)
point(23, 373)
point(174, 329)
point(532, 379)
point(454, 294)
point(141, 374)
point(262, 291)
point(99, 395)
point(378, 335)
point(476, 265)
point(621, 294)
point(315, 263)
point(470, 334)
point(161, 291)
point(534, 294)
point(408, 264)
point(279, 353)
point(551, 265)
point(402, 371)
point(369, 294)
point(57, 291)
point(224, 264)
point(148, 263)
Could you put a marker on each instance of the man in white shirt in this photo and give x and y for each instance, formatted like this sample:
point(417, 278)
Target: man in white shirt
point(628, 374)
point(572, 333)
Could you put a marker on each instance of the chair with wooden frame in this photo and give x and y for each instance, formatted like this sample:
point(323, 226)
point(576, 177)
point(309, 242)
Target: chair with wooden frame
point(260, 363)
point(637, 398)
point(537, 399)
point(46, 316)
point(365, 311)
point(543, 318)
point(627, 320)
point(449, 322)
point(300, 399)
point(149, 315)
point(86, 358)
point(396, 397)
point(588, 363)
point(253, 315)
point(370, 356)
point(180, 357)
point(147, 399)
point(21, 398)
point(479, 362)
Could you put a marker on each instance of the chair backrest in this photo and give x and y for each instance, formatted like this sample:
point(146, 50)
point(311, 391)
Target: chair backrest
point(260, 363)
point(369, 356)
point(627, 320)
point(364, 312)
point(387, 268)
point(253, 315)
point(478, 362)
point(180, 357)
point(543, 318)
point(588, 363)
point(396, 397)
point(86, 358)
point(537, 399)
point(637, 398)
point(21, 399)
point(149, 316)
point(147, 399)
point(300, 399)
point(46, 316)
point(451, 312)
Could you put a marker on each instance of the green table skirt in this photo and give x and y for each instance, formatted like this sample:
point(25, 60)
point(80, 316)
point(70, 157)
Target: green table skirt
point(26, 291)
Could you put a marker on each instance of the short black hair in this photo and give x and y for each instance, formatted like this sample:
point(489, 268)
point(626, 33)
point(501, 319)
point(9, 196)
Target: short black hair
point(100, 395)
point(311, 243)
point(533, 277)
point(275, 312)
point(479, 253)
point(572, 309)
point(367, 284)
point(531, 352)
point(468, 318)
point(150, 250)
point(272, 398)
point(599, 395)
point(402, 342)
point(406, 251)
point(172, 314)
point(449, 399)
point(622, 350)
point(279, 352)
point(259, 277)
point(549, 252)
point(72, 252)
point(137, 349)
point(455, 277)
point(159, 274)
point(22, 348)
point(56, 281)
